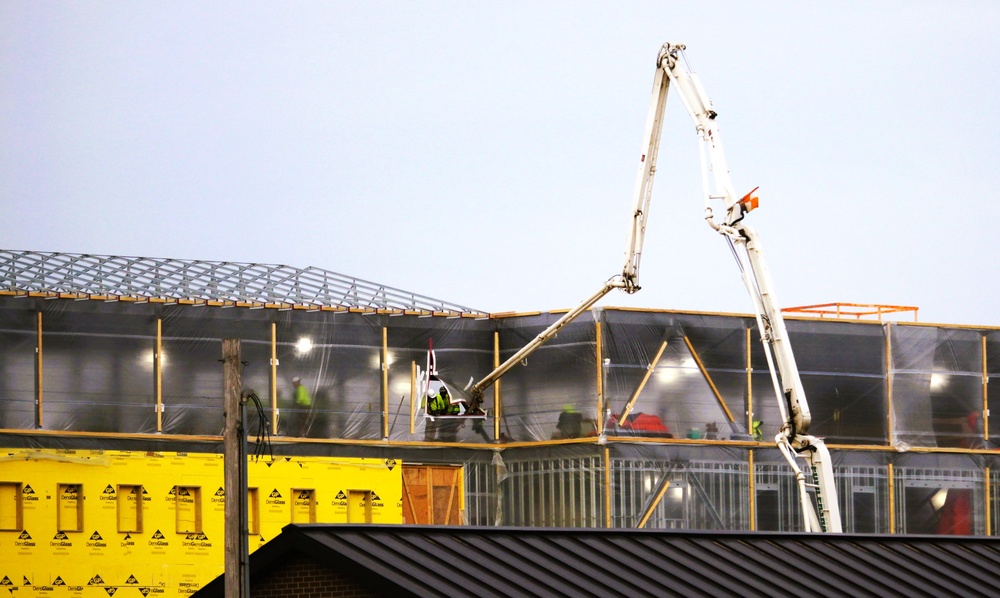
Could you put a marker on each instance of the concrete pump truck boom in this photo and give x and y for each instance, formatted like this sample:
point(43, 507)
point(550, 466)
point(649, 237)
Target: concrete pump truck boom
point(793, 440)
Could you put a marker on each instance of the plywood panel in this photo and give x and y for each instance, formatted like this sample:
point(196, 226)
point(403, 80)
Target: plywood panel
point(432, 494)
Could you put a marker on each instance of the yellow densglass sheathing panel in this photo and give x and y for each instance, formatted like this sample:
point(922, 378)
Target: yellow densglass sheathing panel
point(122, 545)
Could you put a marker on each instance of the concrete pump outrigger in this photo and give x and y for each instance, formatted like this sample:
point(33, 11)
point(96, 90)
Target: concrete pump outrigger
point(793, 440)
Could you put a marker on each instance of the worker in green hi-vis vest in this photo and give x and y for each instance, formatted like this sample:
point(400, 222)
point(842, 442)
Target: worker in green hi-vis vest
point(301, 412)
point(439, 405)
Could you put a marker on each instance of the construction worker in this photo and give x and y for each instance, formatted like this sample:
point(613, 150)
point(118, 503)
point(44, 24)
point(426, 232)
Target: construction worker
point(569, 424)
point(440, 405)
point(436, 405)
point(303, 408)
point(450, 408)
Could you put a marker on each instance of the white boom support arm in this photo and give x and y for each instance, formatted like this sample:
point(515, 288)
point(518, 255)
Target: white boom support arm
point(628, 280)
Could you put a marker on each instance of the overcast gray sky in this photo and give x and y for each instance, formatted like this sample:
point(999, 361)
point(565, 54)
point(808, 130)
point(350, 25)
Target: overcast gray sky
point(484, 153)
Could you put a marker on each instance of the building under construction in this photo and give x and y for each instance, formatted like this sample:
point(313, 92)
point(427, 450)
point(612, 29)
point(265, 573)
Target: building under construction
point(111, 417)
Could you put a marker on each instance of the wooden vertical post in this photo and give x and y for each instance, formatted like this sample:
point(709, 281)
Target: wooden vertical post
point(158, 374)
point(986, 403)
point(274, 378)
point(234, 464)
point(890, 421)
point(39, 413)
point(430, 496)
point(749, 390)
point(413, 396)
point(497, 406)
point(385, 383)
point(600, 380)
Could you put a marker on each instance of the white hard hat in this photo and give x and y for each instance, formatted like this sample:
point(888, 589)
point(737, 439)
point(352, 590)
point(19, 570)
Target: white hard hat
point(296, 379)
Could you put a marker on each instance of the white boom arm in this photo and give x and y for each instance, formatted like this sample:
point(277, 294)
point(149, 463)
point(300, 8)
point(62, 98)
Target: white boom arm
point(793, 439)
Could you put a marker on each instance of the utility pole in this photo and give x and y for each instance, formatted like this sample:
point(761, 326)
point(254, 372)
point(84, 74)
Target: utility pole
point(237, 553)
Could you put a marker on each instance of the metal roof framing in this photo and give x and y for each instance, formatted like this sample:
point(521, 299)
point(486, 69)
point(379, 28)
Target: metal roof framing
point(199, 282)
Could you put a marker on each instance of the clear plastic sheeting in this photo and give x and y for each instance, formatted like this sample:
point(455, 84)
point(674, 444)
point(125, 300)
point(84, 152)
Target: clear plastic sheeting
point(993, 386)
point(463, 350)
point(842, 367)
point(551, 487)
point(191, 363)
point(777, 505)
point(863, 490)
point(940, 494)
point(337, 359)
point(862, 480)
point(340, 359)
point(937, 386)
point(18, 338)
point(679, 487)
point(766, 421)
point(98, 368)
point(693, 386)
point(560, 377)
point(993, 463)
point(118, 369)
point(485, 504)
point(678, 375)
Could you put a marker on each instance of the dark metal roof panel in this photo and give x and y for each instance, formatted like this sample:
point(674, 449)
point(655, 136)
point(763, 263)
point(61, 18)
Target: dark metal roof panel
point(627, 562)
point(467, 561)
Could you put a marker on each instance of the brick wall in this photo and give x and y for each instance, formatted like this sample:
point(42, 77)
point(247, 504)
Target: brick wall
point(300, 577)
